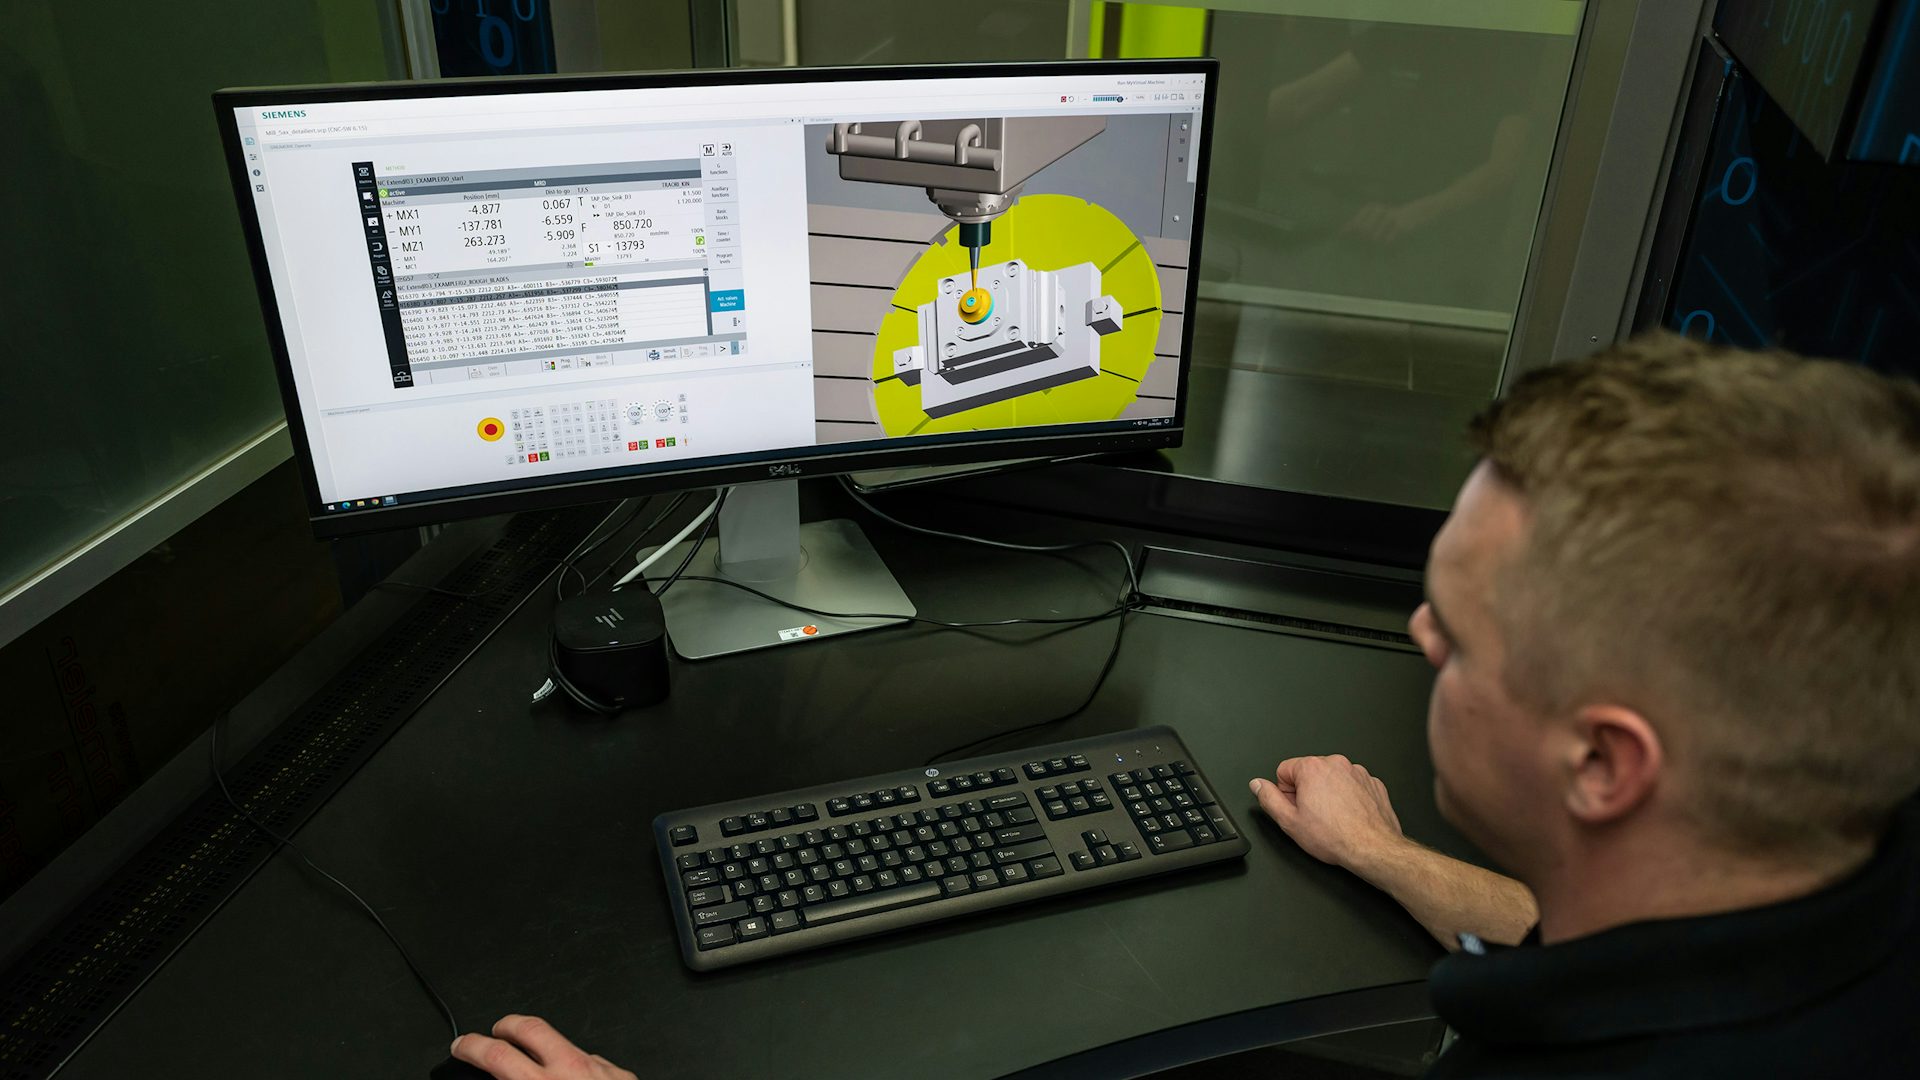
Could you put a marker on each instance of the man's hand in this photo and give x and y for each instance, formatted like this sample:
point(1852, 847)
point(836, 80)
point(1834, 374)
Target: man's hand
point(1339, 813)
point(528, 1048)
point(1334, 809)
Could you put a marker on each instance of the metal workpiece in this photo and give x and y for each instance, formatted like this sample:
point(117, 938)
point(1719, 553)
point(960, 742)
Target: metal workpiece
point(1039, 329)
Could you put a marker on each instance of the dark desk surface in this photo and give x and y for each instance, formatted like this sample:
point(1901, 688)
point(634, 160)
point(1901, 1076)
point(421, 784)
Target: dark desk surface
point(509, 846)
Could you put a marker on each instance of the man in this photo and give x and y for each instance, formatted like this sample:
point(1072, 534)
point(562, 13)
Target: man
point(1676, 620)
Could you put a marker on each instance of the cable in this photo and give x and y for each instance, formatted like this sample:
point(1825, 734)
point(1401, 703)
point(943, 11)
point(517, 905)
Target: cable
point(213, 756)
point(698, 520)
point(1133, 578)
point(1064, 620)
point(693, 548)
point(1099, 681)
point(583, 548)
point(638, 537)
point(1129, 601)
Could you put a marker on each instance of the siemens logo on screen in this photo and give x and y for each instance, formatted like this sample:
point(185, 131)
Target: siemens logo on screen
point(283, 114)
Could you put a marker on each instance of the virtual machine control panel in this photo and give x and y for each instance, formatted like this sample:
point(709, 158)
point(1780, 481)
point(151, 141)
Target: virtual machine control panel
point(497, 272)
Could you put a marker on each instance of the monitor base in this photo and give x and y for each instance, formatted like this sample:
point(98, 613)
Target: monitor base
point(833, 568)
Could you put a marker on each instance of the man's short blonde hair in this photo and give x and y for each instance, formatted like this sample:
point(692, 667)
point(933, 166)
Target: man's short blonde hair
point(1729, 543)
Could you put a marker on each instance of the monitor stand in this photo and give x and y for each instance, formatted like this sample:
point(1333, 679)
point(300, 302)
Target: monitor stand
point(826, 565)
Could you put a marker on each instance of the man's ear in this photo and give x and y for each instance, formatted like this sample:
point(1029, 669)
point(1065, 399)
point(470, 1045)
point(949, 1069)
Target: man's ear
point(1613, 763)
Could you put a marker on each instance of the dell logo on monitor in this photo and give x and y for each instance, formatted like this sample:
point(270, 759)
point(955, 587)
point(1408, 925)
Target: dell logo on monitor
point(283, 114)
point(783, 470)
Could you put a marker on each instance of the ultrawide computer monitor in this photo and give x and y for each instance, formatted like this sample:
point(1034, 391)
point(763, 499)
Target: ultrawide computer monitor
point(494, 295)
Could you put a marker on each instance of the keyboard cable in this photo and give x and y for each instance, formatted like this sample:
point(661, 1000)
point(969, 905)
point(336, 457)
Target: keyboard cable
point(213, 756)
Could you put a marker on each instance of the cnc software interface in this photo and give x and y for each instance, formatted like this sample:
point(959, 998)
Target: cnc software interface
point(483, 292)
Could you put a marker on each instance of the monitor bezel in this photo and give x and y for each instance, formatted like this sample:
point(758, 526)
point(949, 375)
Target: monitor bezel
point(828, 461)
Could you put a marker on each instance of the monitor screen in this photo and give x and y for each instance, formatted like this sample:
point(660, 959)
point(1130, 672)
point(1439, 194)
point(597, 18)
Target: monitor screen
point(493, 295)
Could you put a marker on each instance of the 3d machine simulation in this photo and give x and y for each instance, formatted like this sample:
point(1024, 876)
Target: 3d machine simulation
point(1003, 330)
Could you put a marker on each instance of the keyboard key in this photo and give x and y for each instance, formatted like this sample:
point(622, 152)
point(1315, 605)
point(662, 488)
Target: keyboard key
point(1015, 873)
point(984, 779)
point(1223, 828)
point(957, 884)
point(1171, 840)
point(1020, 834)
point(751, 929)
point(1003, 775)
point(806, 811)
point(1035, 769)
point(708, 897)
point(813, 894)
point(837, 807)
point(1058, 765)
point(939, 788)
point(782, 816)
point(764, 905)
point(1005, 802)
point(1078, 762)
point(984, 880)
point(1021, 852)
point(1128, 850)
point(1045, 867)
point(700, 879)
point(908, 794)
point(1094, 838)
point(1105, 855)
point(725, 913)
point(713, 937)
point(783, 921)
point(732, 826)
point(1020, 816)
point(682, 835)
point(1202, 835)
point(756, 822)
point(690, 861)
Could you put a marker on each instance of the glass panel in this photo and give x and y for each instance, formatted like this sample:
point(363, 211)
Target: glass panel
point(138, 356)
point(1377, 172)
point(1375, 185)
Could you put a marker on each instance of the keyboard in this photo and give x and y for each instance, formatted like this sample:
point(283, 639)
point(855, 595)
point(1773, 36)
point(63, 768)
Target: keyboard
point(763, 877)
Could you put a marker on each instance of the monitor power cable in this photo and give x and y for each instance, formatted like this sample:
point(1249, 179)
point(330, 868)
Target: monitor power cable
point(213, 761)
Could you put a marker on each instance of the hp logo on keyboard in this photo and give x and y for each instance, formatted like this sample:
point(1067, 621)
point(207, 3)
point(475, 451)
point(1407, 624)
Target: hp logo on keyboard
point(931, 773)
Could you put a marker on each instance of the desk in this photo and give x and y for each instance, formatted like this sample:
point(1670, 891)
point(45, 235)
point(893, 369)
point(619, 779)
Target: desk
point(509, 846)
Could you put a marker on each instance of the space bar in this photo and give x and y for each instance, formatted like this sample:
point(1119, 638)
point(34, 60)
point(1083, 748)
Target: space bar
point(854, 907)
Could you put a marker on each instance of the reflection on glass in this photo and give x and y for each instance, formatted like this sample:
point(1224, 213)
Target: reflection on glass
point(138, 355)
point(1373, 196)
